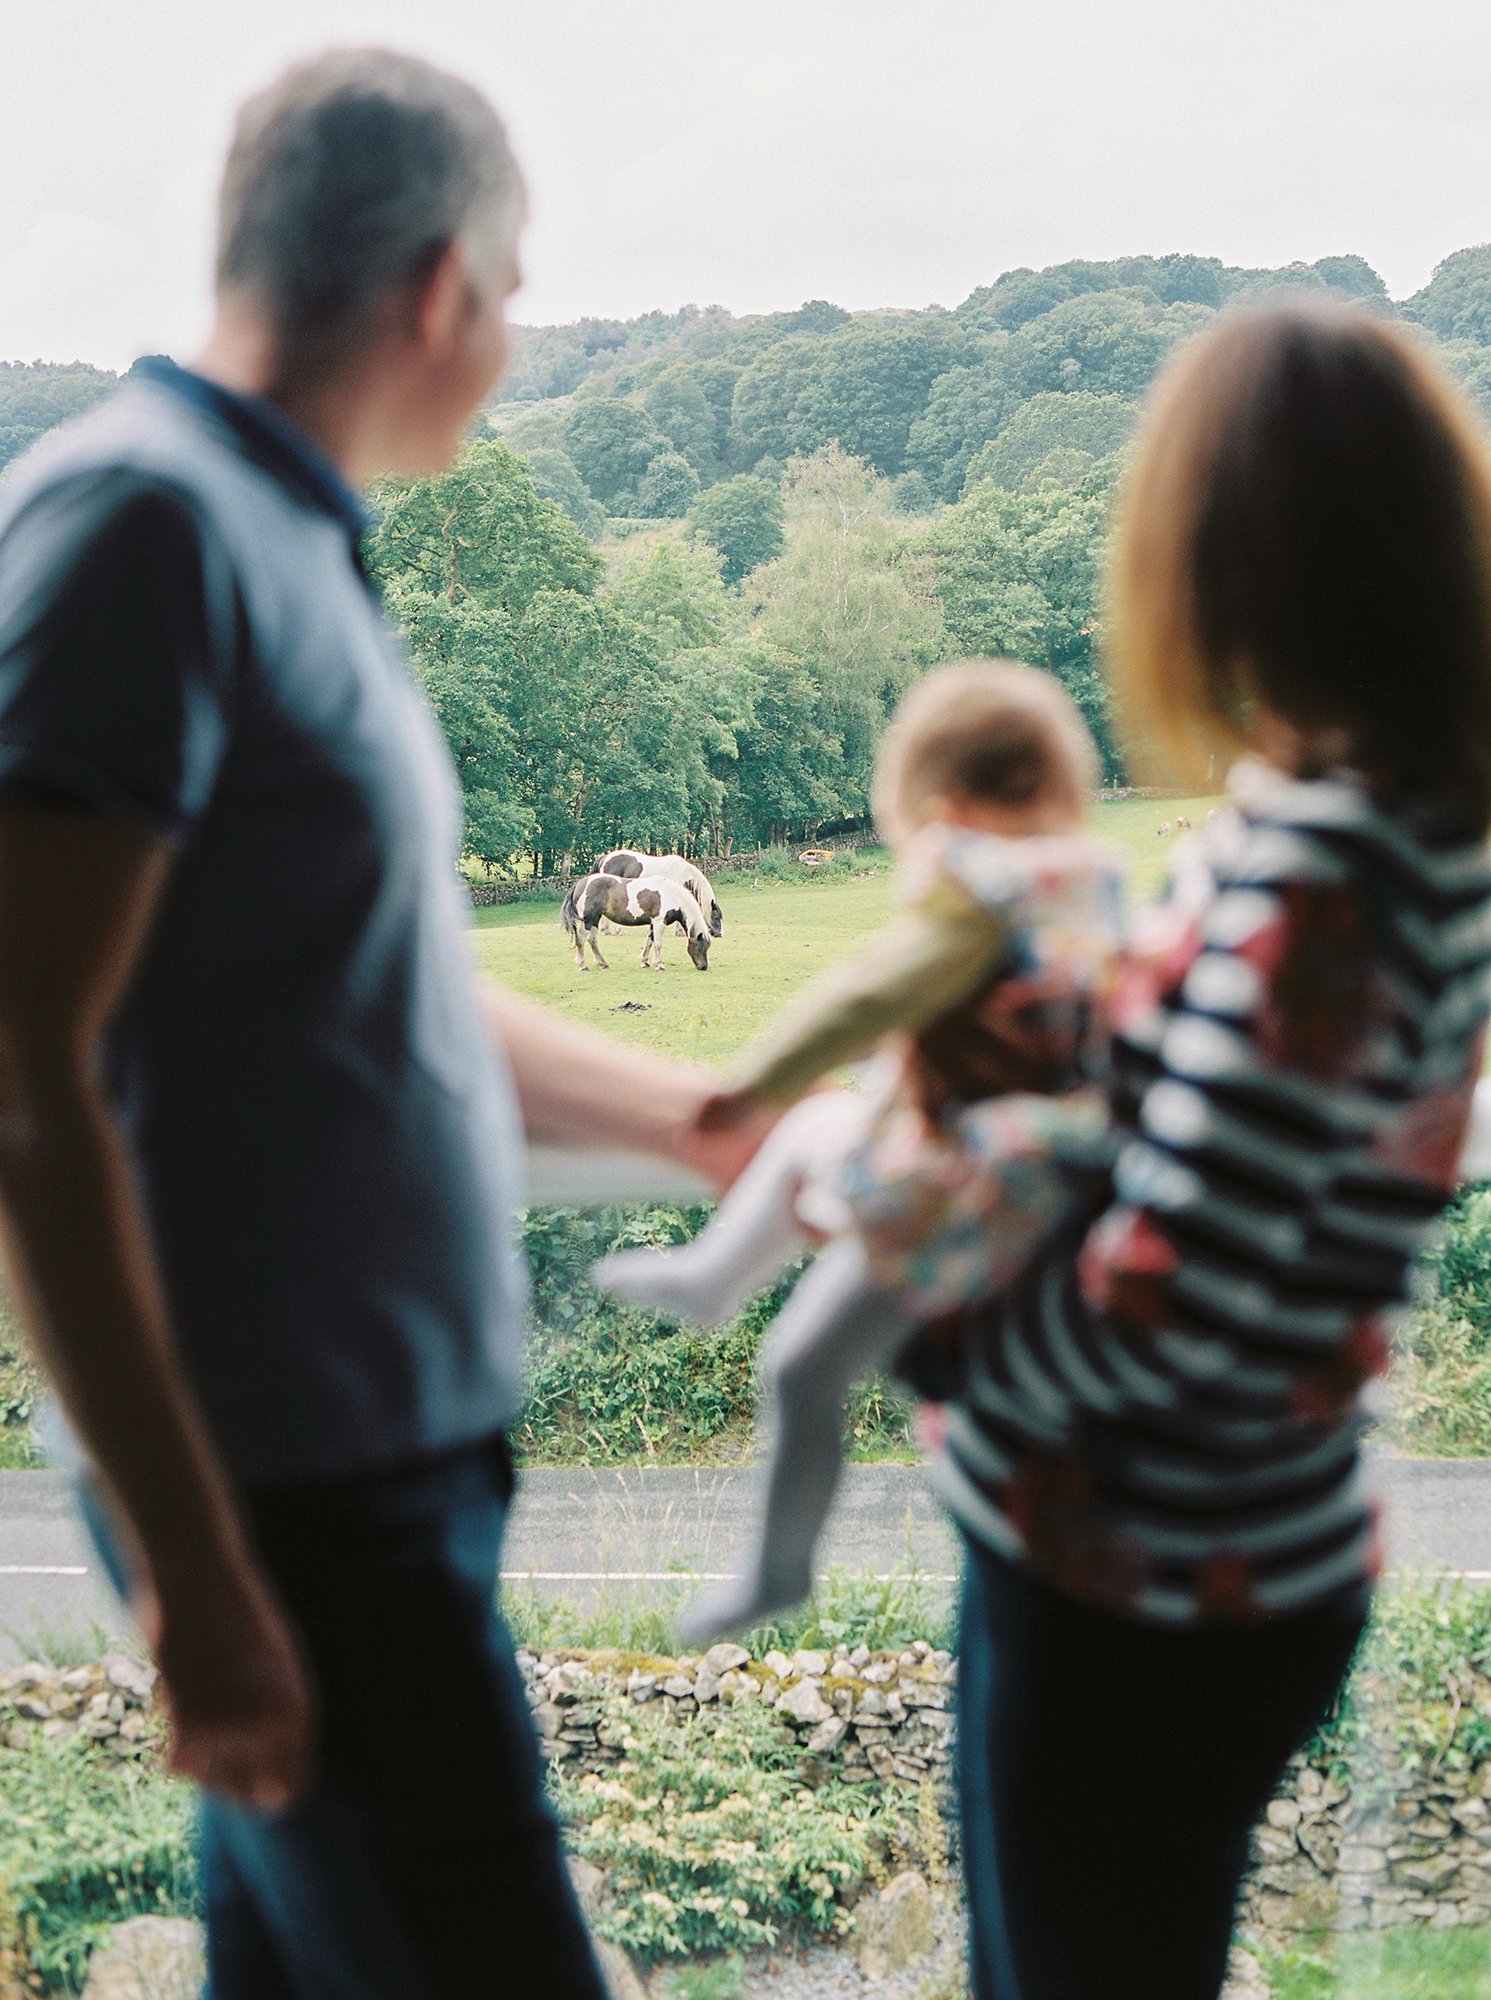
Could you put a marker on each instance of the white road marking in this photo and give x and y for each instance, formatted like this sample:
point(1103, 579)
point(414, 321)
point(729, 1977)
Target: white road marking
point(687, 1576)
point(646, 1577)
point(615, 1576)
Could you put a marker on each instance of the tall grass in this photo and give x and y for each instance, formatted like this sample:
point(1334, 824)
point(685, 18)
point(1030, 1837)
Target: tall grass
point(885, 1613)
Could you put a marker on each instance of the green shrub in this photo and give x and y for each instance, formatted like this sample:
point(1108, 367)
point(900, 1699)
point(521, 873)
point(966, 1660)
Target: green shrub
point(1441, 1389)
point(708, 1838)
point(1419, 1681)
point(608, 1385)
point(85, 1842)
point(20, 1385)
point(1461, 1266)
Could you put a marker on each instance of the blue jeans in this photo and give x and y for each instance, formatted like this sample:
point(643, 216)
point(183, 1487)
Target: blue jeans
point(425, 1864)
point(1109, 1772)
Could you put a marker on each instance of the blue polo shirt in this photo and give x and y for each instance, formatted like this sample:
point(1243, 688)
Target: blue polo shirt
point(327, 1143)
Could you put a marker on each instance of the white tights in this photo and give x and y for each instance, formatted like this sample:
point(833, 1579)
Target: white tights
point(837, 1327)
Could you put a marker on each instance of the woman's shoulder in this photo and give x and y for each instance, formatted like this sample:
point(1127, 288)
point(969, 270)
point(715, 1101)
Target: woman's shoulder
point(1312, 917)
point(1331, 829)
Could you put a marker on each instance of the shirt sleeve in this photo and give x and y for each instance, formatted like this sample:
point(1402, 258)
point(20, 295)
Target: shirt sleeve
point(915, 971)
point(116, 628)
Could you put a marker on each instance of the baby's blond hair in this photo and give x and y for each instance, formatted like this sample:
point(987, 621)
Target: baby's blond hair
point(992, 730)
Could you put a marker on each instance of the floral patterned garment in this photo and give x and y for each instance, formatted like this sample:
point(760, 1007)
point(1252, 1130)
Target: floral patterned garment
point(1164, 1411)
point(951, 1199)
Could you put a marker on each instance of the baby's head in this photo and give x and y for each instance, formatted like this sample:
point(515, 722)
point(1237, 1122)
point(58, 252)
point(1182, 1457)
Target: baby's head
point(988, 744)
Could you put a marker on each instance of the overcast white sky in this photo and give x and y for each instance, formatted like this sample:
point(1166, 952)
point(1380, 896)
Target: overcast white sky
point(757, 152)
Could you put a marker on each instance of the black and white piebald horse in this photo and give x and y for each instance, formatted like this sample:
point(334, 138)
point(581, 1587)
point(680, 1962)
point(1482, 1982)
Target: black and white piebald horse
point(628, 863)
point(652, 900)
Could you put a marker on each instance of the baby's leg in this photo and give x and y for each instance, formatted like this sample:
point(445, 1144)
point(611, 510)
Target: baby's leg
point(753, 1235)
point(836, 1327)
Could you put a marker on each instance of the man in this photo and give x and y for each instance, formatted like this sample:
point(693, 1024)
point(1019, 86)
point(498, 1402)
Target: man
point(259, 1133)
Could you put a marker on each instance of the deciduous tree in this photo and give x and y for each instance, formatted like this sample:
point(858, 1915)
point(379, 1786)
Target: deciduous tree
point(612, 441)
point(741, 518)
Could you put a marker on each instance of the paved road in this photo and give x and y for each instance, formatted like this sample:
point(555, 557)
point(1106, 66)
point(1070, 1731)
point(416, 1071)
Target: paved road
point(587, 1534)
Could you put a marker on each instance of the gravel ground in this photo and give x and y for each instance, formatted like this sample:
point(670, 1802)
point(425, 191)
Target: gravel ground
point(824, 1973)
point(828, 1972)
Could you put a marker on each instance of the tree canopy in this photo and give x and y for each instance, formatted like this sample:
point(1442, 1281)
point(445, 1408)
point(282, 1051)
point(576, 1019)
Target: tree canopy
point(741, 518)
point(36, 396)
point(671, 592)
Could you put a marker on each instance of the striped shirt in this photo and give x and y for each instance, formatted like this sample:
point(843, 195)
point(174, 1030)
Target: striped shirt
point(1165, 1412)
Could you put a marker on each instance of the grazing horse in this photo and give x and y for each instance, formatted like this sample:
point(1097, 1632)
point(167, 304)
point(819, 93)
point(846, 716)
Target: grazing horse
point(642, 899)
point(628, 863)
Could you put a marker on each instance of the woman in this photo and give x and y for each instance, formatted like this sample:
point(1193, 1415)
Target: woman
point(1154, 1449)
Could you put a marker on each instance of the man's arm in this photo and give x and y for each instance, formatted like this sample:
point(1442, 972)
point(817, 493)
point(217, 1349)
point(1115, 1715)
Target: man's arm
point(78, 895)
point(577, 1087)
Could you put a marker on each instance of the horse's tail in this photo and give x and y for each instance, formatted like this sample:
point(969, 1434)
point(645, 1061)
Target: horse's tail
point(569, 914)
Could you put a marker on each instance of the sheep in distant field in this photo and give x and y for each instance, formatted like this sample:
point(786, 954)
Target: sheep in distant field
point(1211, 815)
point(1181, 820)
point(1164, 828)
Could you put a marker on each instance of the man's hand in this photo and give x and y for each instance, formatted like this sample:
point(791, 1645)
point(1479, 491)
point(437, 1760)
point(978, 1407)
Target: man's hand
point(724, 1133)
point(236, 1694)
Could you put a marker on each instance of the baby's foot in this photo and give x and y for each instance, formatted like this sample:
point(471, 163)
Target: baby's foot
point(665, 1281)
point(737, 1605)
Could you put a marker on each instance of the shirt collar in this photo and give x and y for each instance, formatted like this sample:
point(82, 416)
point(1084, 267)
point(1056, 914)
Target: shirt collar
point(269, 436)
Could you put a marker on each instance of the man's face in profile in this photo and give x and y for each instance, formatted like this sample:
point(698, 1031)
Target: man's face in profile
point(463, 344)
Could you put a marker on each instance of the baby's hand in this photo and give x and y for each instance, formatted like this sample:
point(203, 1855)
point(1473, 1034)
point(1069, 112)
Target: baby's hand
point(726, 1111)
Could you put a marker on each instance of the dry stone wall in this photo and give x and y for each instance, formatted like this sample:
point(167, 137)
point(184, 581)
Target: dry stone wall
point(1394, 1839)
point(888, 1714)
point(111, 1702)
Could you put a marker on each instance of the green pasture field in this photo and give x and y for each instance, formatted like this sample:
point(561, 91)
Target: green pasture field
point(777, 935)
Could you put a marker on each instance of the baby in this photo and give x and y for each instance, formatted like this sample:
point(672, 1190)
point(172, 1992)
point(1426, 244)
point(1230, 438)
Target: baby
point(933, 1184)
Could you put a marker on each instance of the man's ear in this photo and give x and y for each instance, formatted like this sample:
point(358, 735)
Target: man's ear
point(442, 302)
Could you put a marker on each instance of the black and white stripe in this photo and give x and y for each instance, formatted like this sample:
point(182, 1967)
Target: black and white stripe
point(1288, 1204)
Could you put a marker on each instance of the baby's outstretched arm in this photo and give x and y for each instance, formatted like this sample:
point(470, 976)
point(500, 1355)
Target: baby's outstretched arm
point(918, 969)
point(837, 1327)
point(754, 1234)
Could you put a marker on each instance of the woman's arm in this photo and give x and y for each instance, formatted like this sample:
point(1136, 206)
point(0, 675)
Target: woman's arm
point(78, 896)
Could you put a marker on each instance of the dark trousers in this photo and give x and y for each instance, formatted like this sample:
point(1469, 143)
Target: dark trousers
point(426, 1864)
point(1109, 1772)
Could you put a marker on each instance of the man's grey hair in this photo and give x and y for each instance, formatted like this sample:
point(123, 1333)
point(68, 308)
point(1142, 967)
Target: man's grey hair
point(347, 178)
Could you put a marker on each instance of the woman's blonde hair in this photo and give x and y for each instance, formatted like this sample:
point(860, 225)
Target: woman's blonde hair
point(981, 729)
point(1306, 523)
